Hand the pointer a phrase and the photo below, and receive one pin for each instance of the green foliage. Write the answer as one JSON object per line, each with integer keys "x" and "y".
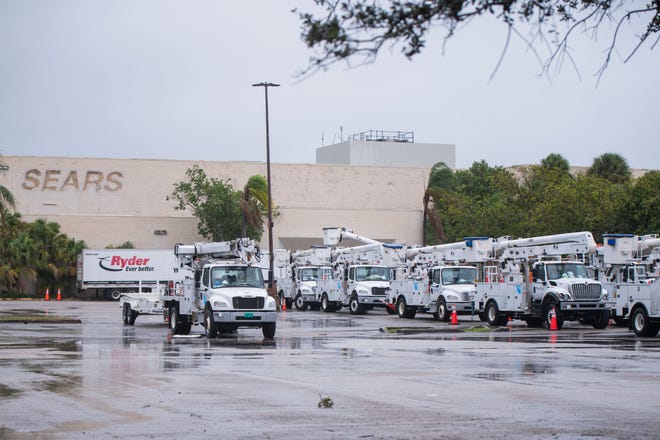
{"x": 36, "y": 251}
{"x": 221, "y": 210}
{"x": 539, "y": 200}
{"x": 612, "y": 167}
{"x": 7, "y": 201}
{"x": 125, "y": 245}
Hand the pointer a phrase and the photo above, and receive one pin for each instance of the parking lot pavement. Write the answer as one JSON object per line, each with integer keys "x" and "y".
{"x": 374, "y": 376}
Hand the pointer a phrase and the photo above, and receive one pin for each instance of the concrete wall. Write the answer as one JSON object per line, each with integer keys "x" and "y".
{"x": 109, "y": 201}
{"x": 389, "y": 154}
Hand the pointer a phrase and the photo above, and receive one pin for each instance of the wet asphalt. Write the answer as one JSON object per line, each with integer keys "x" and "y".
{"x": 333, "y": 376}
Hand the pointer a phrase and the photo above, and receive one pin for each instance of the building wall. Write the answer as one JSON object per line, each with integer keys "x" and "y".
{"x": 389, "y": 154}
{"x": 109, "y": 201}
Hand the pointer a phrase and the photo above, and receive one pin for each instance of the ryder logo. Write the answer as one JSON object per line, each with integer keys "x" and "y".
{"x": 115, "y": 263}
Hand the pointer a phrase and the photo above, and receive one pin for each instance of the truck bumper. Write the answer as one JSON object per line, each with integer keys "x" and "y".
{"x": 462, "y": 308}
{"x": 245, "y": 317}
{"x": 373, "y": 300}
{"x": 309, "y": 298}
{"x": 585, "y": 306}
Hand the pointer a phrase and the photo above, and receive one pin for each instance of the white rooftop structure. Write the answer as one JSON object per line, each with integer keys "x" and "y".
{"x": 386, "y": 149}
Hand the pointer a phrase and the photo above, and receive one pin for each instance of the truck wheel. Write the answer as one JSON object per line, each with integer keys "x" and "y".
{"x": 641, "y": 324}
{"x": 300, "y": 303}
{"x": 442, "y": 313}
{"x": 493, "y": 315}
{"x": 326, "y": 305}
{"x": 548, "y": 309}
{"x": 268, "y": 330}
{"x": 132, "y": 317}
{"x": 126, "y": 313}
{"x": 210, "y": 326}
{"x": 403, "y": 310}
{"x": 601, "y": 319}
{"x": 354, "y": 306}
{"x": 177, "y": 326}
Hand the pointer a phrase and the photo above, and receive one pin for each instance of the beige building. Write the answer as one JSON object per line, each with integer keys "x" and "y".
{"x": 110, "y": 201}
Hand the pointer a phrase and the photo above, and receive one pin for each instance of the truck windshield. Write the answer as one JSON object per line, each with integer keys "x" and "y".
{"x": 372, "y": 274}
{"x": 236, "y": 276}
{"x": 566, "y": 270}
{"x": 309, "y": 274}
{"x": 459, "y": 275}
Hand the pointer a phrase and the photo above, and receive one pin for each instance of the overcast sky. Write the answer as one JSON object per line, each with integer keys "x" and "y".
{"x": 171, "y": 79}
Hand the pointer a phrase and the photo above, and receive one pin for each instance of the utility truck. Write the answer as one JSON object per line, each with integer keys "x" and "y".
{"x": 222, "y": 290}
{"x": 439, "y": 279}
{"x": 533, "y": 282}
{"x": 304, "y": 270}
{"x": 629, "y": 268}
{"x": 361, "y": 274}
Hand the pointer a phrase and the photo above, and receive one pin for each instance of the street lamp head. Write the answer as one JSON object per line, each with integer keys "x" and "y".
{"x": 265, "y": 84}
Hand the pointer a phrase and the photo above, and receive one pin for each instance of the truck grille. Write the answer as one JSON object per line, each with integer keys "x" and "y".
{"x": 586, "y": 292}
{"x": 241, "y": 303}
{"x": 378, "y": 290}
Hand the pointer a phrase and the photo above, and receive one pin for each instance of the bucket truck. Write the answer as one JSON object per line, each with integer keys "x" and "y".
{"x": 439, "y": 279}
{"x": 630, "y": 271}
{"x": 532, "y": 282}
{"x": 222, "y": 289}
{"x": 361, "y": 274}
{"x": 297, "y": 285}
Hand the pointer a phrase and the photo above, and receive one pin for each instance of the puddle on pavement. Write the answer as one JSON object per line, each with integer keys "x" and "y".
{"x": 7, "y": 392}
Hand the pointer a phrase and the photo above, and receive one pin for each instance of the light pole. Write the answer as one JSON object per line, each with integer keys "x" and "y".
{"x": 265, "y": 85}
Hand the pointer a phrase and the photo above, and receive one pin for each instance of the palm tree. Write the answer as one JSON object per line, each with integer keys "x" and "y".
{"x": 254, "y": 204}
{"x": 7, "y": 201}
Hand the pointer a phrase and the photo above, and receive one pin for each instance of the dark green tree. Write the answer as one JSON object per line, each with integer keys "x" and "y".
{"x": 640, "y": 212}
{"x": 556, "y": 162}
{"x": 612, "y": 167}
{"x": 7, "y": 201}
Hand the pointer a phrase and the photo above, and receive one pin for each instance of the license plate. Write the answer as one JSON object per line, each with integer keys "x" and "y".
{"x": 248, "y": 315}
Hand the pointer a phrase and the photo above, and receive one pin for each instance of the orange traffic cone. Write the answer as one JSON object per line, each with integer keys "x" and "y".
{"x": 454, "y": 317}
{"x": 283, "y": 304}
{"x": 553, "y": 321}
{"x": 59, "y": 295}
{"x": 47, "y": 297}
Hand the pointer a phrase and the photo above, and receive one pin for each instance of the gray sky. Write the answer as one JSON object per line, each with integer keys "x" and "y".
{"x": 171, "y": 79}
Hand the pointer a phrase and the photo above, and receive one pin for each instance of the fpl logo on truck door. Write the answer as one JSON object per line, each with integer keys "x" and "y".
{"x": 116, "y": 263}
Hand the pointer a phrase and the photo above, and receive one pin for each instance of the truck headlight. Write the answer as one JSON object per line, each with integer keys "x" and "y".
{"x": 220, "y": 304}
{"x": 564, "y": 296}
{"x": 270, "y": 302}
{"x": 452, "y": 298}
{"x": 605, "y": 295}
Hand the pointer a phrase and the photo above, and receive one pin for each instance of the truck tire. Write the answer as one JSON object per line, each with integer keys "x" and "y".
{"x": 493, "y": 315}
{"x": 601, "y": 319}
{"x": 639, "y": 321}
{"x": 300, "y": 304}
{"x": 354, "y": 306}
{"x": 268, "y": 330}
{"x": 326, "y": 305}
{"x": 126, "y": 313}
{"x": 442, "y": 314}
{"x": 177, "y": 326}
{"x": 403, "y": 310}
{"x": 547, "y": 310}
{"x": 210, "y": 326}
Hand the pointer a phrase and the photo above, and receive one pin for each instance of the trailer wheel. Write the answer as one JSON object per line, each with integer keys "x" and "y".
{"x": 210, "y": 326}
{"x": 403, "y": 310}
{"x": 115, "y": 295}
{"x": 493, "y": 315}
{"x": 354, "y": 306}
{"x": 601, "y": 319}
{"x": 641, "y": 324}
{"x": 442, "y": 314}
{"x": 268, "y": 330}
{"x": 550, "y": 308}
{"x": 326, "y": 305}
{"x": 300, "y": 303}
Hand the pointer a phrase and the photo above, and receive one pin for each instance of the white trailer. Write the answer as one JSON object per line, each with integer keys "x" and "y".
{"x": 222, "y": 290}
{"x": 439, "y": 279}
{"x": 630, "y": 271}
{"x": 532, "y": 282}
{"x": 361, "y": 274}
